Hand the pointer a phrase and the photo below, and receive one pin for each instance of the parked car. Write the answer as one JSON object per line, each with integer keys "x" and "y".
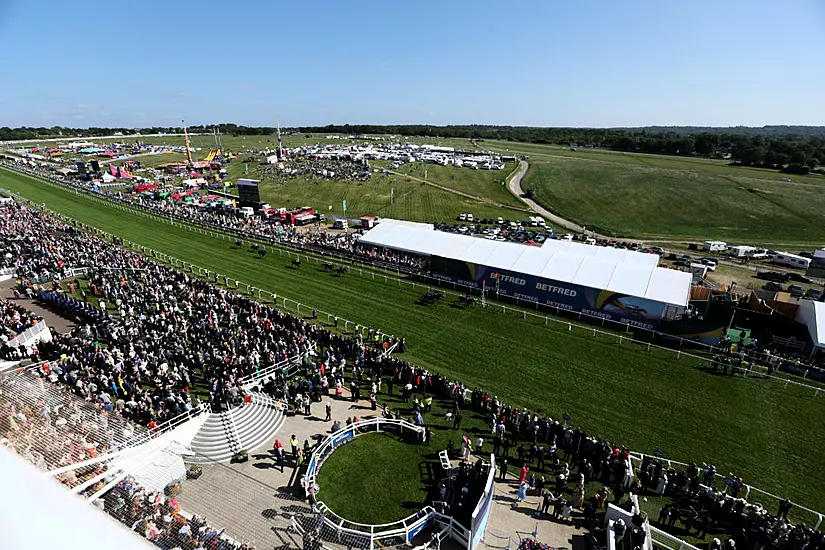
{"x": 773, "y": 286}
{"x": 796, "y": 290}
{"x": 775, "y": 276}
{"x": 814, "y": 294}
{"x": 798, "y": 278}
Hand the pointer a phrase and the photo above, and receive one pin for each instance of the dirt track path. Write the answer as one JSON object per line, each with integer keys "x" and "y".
{"x": 515, "y": 188}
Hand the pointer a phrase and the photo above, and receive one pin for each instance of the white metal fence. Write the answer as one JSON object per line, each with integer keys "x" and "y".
{"x": 34, "y": 333}
{"x": 816, "y": 516}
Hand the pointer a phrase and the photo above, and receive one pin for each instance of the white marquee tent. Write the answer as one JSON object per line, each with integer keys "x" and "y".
{"x": 812, "y": 315}
{"x": 623, "y": 271}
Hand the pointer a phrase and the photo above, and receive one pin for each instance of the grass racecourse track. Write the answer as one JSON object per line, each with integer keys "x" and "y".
{"x": 645, "y": 400}
{"x": 663, "y": 197}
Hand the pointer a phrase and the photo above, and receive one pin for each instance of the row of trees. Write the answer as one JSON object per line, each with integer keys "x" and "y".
{"x": 795, "y": 149}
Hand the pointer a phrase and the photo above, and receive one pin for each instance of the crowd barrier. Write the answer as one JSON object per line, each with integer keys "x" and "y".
{"x": 816, "y": 516}
{"x": 403, "y": 271}
{"x": 481, "y": 513}
{"x": 36, "y": 333}
{"x": 664, "y": 540}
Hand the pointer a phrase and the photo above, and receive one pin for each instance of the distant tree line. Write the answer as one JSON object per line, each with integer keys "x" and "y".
{"x": 793, "y": 149}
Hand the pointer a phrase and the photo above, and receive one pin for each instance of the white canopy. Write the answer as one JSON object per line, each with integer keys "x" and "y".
{"x": 623, "y": 271}
{"x": 812, "y": 315}
{"x": 39, "y": 513}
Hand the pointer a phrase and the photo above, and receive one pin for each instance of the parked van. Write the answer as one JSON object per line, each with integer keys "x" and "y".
{"x": 246, "y": 212}
{"x": 590, "y": 240}
{"x": 340, "y": 224}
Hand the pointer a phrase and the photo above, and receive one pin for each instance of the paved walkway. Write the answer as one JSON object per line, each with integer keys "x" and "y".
{"x": 515, "y": 188}
{"x": 55, "y": 322}
{"x": 255, "y": 499}
{"x": 507, "y": 525}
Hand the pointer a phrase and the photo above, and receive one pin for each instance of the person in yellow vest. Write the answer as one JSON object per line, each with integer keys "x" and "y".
{"x": 428, "y": 403}
{"x": 293, "y": 441}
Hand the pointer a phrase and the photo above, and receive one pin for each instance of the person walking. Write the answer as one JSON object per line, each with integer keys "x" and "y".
{"x": 329, "y": 413}
{"x": 457, "y": 420}
{"x": 523, "y": 474}
{"x": 293, "y": 441}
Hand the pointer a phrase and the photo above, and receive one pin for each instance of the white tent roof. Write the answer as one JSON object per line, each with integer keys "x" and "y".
{"x": 67, "y": 522}
{"x": 812, "y": 314}
{"x": 624, "y": 271}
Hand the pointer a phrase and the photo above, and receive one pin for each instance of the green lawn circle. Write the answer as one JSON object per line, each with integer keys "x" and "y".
{"x": 373, "y": 479}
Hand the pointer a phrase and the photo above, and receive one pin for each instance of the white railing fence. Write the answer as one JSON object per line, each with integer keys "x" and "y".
{"x": 346, "y": 434}
{"x": 35, "y": 332}
{"x": 817, "y": 517}
{"x": 660, "y": 539}
{"x": 291, "y": 364}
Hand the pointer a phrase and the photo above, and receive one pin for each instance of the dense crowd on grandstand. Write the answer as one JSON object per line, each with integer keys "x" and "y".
{"x": 158, "y": 518}
{"x": 14, "y": 320}
{"x": 150, "y": 337}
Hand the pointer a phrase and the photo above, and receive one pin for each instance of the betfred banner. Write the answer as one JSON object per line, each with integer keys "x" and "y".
{"x": 605, "y": 304}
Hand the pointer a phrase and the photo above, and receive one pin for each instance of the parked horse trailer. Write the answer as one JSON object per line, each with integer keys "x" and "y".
{"x": 790, "y": 260}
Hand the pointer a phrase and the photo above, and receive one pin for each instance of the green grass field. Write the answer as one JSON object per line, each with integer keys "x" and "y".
{"x": 659, "y": 197}
{"x": 355, "y": 479}
{"x": 645, "y": 400}
{"x": 623, "y": 194}
{"x": 488, "y": 184}
{"x": 413, "y": 200}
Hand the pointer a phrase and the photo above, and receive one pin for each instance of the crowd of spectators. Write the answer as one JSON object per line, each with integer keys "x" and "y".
{"x": 314, "y": 167}
{"x": 166, "y": 330}
{"x": 344, "y": 245}
{"x": 14, "y": 319}
{"x": 158, "y": 518}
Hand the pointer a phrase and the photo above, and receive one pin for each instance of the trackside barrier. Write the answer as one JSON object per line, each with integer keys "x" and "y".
{"x": 660, "y": 539}
{"x": 35, "y": 332}
{"x": 639, "y": 457}
{"x": 224, "y": 233}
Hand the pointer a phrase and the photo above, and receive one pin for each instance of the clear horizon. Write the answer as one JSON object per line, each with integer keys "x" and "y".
{"x": 637, "y": 64}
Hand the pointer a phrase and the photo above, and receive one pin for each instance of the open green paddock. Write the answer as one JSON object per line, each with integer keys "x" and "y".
{"x": 662, "y": 197}
{"x": 487, "y": 184}
{"x": 643, "y": 399}
{"x": 413, "y": 200}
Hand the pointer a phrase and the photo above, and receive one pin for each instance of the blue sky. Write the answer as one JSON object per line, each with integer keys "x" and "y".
{"x": 543, "y": 63}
